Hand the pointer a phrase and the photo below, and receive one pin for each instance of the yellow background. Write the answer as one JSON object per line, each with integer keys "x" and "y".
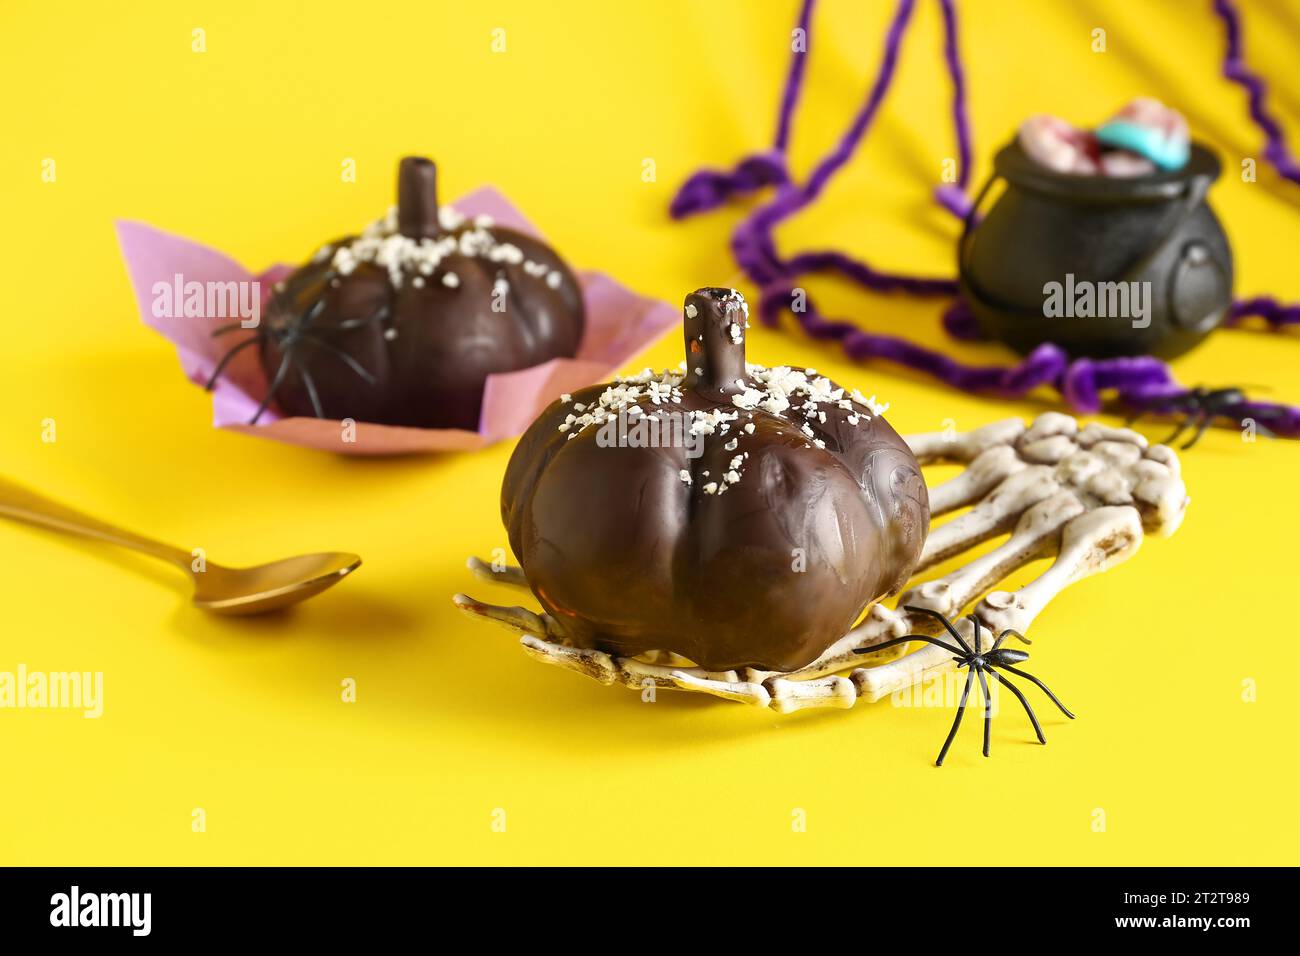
{"x": 241, "y": 146}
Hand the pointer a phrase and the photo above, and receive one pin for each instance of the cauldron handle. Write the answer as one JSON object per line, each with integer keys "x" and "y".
{"x": 1197, "y": 186}
{"x": 968, "y": 220}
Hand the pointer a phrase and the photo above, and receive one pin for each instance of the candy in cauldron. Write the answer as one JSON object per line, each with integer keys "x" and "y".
{"x": 1099, "y": 265}
{"x": 403, "y": 324}
{"x": 734, "y": 515}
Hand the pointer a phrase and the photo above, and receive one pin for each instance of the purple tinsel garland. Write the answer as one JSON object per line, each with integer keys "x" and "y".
{"x": 1235, "y": 69}
{"x": 1138, "y": 382}
{"x": 710, "y": 188}
{"x": 1275, "y": 151}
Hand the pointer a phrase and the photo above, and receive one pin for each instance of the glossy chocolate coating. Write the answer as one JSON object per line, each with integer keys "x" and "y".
{"x": 425, "y": 348}
{"x": 627, "y": 557}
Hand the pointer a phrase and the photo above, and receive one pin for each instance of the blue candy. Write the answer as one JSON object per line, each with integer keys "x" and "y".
{"x": 1146, "y": 141}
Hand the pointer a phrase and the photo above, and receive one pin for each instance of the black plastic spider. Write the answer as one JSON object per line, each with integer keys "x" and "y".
{"x": 289, "y": 335}
{"x": 1200, "y": 406}
{"x": 980, "y": 663}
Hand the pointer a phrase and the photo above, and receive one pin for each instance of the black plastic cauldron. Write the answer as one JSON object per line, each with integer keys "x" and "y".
{"x": 1079, "y": 231}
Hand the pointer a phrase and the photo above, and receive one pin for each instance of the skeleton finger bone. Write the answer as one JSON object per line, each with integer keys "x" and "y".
{"x": 992, "y": 516}
{"x": 498, "y": 573}
{"x": 1091, "y": 543}
{"x": 1037, "y": 533}
{"x": 963, "y": 447}
{"x": 873, "y": 683}
{"x": 516, "y": 618}
{"x": 989, "y": 469}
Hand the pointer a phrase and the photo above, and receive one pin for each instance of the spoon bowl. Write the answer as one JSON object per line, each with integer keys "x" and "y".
{"x": 269, "y": 587}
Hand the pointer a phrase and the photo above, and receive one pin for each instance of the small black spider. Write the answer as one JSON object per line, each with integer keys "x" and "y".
{"x": 980, "y": 663}
{"x": 1200, "y": 406}
{"x": 289, "y": 335}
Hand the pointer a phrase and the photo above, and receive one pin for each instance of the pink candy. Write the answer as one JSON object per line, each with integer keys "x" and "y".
{"x": 1120, "y": 164}
{"x": 1059, "y": 146}
{"x": 1147, "y": 111}
{"x": 1064, "y": 148}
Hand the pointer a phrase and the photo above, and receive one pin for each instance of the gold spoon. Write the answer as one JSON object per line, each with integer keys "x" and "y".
{"x": 219, "y": 589}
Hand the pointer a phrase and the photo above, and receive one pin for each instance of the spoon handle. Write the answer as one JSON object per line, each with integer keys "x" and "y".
{"x": 25, "y": 505}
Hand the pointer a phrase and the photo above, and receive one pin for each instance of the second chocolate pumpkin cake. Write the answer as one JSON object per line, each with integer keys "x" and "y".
{"x": 403, "y": 323}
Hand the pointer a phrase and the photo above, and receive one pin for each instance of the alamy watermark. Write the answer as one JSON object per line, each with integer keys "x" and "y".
{"x": 21, "y": 689}
{"x": 1098, "y": 300}
{"x": 665, "y": 428}
{"x": 181, "y": 299}
{"x": 944, "y": 689}
{"x": 133, "y": 911}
